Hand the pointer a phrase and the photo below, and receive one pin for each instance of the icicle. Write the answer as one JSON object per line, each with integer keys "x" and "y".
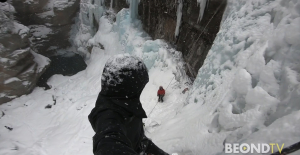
{"x": 202, "y": 4}
{"x": 111, "y": 4}
{"x": 179, "y": 16}
{"x": 134, "y": 6}
{"x": 91, "y": 15}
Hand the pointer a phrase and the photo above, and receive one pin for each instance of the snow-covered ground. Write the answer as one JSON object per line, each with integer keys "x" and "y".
{"x": 247, "y": 90}
{"x": 63, "y": 127}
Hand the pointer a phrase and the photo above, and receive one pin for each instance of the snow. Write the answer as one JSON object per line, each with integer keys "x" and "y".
{"x": 48, "y": 10}
{"x": 120, "y": 61}
{"x": 250, "y": 95}
{"x": 40, "y": 31}
{"x": 64, "y": 128}
{"x": 20, "y": 29}
{"x": 41, "y": 60}
{"x": 8, "y": 24}
{"x": 62, "y": 4}
{"x": 246, "y": 92}
{"x": 19, "y": 53}
{"x": 242, "y": 82}
{"x": 7, "y": 8}
{"x": 53, "y": 5}
{"x": 10, "y": 80}
{"x": 85, "y": 27}
{"x": 115, "y": 65}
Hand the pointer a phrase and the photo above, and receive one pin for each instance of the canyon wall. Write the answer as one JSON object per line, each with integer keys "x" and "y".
{"x": 31, "y": 30}
{"x": 195, "y": 36}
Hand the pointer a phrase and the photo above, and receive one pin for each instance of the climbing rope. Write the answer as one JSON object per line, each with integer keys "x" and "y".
{"x": 157, "y": 101}
{"x": 170, "y": 83}
{"x": 211, "y": 18}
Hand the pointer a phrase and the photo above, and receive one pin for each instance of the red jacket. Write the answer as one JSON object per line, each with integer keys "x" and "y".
{"x": 161, "y": 92}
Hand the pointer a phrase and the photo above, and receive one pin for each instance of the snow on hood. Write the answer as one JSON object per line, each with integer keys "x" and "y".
{"x": 124, "y": 76}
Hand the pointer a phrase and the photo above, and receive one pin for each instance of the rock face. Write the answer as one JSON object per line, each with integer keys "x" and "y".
{"x": 195, "y": 37}
{"x": 20, "y": 66}
{"x": 66, "y": 65}
{"x": 50, "y": 22}
{"x": 45, "y": 29}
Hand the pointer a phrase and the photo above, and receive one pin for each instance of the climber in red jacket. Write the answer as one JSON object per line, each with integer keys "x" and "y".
{"x": 161, "y": 94}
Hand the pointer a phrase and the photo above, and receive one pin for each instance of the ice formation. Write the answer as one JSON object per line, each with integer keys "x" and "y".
{"x": 179, "y": 16}
{"x": 202, "y": 4}
{"x": 247, "y": 90}
{"x": 87, "y": 24}
{"x": 134, "y": 6}
{"x": 250, "y": 77}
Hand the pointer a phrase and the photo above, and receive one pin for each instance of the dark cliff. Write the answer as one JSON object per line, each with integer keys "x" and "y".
{"x": 27, "y": 28}
{"x": 195, "y": 37}
{"x": 49, "y": 21}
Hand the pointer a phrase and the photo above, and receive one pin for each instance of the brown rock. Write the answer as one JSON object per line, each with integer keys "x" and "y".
{"x": 58, "y": 16}
{"x": 19, "y": 71}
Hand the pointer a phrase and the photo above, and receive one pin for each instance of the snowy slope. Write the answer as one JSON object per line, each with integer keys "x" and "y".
{"x": 55, "y": 121}
{"x": 248, "y": 88}
{"x": 247, "y": 91}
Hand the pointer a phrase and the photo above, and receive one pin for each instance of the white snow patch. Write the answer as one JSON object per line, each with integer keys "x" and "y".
{"x": 40, "y": 31}
{"x": 41, "y": 60}
{"x": 10, "y": 80}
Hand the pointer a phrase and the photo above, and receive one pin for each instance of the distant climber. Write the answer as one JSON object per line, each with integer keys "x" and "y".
{"x": 118, "y": 113}
{"x": 161, "y": 94}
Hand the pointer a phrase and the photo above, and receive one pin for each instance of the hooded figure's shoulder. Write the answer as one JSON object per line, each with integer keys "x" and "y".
{"x": 107, "y": 104}
{"x": 124, "y": 107}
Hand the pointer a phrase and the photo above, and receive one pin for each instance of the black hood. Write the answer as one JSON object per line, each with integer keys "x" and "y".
{"x": 124, "y": 76}
{"x": 123, "y": 80}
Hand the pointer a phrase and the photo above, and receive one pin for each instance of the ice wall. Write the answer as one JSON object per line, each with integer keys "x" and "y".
{"x": 136, "y": 42}
{"x": 87, "y": 24}
{"x": 134, "y": 6}
{"x": 249, "y": 83}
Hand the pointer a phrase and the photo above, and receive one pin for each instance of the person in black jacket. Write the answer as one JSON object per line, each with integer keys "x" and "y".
{"x": 117, "y": 116}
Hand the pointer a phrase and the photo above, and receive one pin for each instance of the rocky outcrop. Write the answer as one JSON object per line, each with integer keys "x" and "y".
{"x": 49, "y": 21}
{"x": 20, "y": 66}
{"x": 195, "y": 37}
{"x": 45, "y": 29}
